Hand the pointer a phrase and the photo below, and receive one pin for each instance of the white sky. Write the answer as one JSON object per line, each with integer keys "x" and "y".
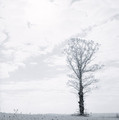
{"x": 33, "y": 72}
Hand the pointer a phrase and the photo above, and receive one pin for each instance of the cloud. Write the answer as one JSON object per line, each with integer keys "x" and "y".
{"x": 6, "y": 68}
{"x": 56, "y": 60}
{"x": 19, "y": 43}
{"x": 51, "y": 0}
{"x": 112, "y": 63}
{"x": 36, "y": 27}
{"x": 46, "y": 85}
{"x": 31, "y": 34}
{"x": 73, "y": 1}
{"x": 33, "y": 63}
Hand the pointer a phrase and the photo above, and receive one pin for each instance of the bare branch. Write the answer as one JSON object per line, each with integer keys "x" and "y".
{"x": 93, "y": 68}
{"x": 70, "y": 63}
{"x": 90, "y": 82}
{"x": 73, "y": 76}
{"x": 73, "y": 84}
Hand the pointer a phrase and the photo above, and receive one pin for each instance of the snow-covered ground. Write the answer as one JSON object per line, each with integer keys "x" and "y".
{"x": 4, "y": 116}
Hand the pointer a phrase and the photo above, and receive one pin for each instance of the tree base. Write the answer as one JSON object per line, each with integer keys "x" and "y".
{"x": 82, "y": 115}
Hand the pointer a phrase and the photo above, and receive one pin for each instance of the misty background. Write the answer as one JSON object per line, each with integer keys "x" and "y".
{"x": 33, "y": 70}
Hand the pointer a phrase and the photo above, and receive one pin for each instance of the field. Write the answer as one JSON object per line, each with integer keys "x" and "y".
{"x": 6, "y": 116}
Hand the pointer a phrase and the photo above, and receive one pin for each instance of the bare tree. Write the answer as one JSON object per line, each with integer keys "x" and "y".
{"x": 80, "y": 58}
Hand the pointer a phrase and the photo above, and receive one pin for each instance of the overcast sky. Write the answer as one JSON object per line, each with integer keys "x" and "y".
{"x": 33, "y": 71}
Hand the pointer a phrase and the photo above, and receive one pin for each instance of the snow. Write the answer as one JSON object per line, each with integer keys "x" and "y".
{"x": 5, "y": 116}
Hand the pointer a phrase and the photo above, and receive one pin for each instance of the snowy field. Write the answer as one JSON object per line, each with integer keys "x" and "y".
{"x": 4, "y": 116}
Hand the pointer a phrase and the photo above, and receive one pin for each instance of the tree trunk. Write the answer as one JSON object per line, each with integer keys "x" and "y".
{"x": 81, "y": 103}
{"x": 81, "y": 95}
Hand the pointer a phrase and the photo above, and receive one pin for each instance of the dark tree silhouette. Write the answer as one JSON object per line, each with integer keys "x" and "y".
{"x": 80, "y": 58}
